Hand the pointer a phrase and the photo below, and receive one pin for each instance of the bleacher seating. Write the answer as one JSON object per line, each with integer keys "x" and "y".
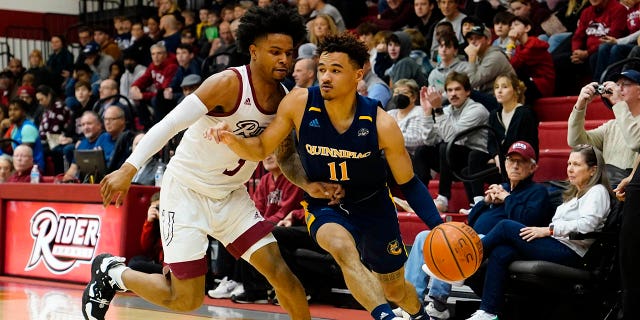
{"x": 553, "y": 134}
{"x": 458, "y": 199}
{"x": 559, "y": 108}
{"x": 411, "y": 224}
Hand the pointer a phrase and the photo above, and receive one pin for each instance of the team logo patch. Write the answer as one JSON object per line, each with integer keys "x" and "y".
{"x": 394, "y": 248}
{"x": 62, "y": 241}
{"x": 247, "y": 102}
{"x": 314, "y": 123}
{"x": 363, "y": 132}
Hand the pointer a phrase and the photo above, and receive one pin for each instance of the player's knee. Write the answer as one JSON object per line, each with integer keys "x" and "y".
{"x": 186, "y": 302}
{"x": 395, "y": 291}
{"x": 342, "y": 251}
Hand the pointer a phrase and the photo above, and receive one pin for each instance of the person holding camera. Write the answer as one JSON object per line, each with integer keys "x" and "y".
{"x": 619, "y": 138}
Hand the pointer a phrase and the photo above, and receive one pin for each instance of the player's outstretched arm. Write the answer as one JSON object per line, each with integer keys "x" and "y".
{"x": 391, "y": 141}
{"x": 257, "y": 148}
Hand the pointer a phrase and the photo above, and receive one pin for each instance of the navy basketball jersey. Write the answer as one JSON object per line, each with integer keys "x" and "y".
{"x": 352, "y": 158}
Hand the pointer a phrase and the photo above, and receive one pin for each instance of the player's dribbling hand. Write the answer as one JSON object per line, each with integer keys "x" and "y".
{"x": 115, "y": 185}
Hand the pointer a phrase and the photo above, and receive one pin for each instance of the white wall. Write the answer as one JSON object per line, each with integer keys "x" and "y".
{"x": 52, "y": 6}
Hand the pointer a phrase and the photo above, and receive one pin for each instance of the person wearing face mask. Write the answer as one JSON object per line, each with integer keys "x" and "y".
{"x": 417, "y": 129}
{"x": 132, "y": 71}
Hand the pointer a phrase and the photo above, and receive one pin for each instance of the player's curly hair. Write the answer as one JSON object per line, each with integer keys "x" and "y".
{"x": 258, "y": 22}
{"x": 346, "y": 43}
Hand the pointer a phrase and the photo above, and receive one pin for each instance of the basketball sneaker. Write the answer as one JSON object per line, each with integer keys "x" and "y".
{"x": 251, "y": 297}
{"x": 224, "y": 289}
{"x": 430, "y": 274}
{"x": 434, "y": 313}
{"x": 102, "y": 288}
{"x": 482, "y": 315}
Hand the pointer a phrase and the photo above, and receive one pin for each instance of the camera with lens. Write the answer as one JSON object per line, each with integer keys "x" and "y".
{"x": 601, "y": 89}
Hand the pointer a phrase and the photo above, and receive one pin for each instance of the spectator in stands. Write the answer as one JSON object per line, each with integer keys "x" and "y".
{"x": 452, "y": 14}
{"x": 374, "y": 87}
{"x": 366, "y": 33}
{"x": 239, "y": 9}
{"x": 6, "y": 167}
{"x": 202, "y": 15}
{"x": 404, "y": 67}
{"x": 567, "y": 13}
{"x": 189, "y": 22}
{"x": 146, "y": 175}
{"x": 428, "y": 14}
{"x": 133, "y": 70}
{"x": 531, "y": 60}
{"x": 122, "y": 24}
{"x": 170, "y": 27}
{"x": 418, "y": 50}
{"x": 91, "y": 128}
{"x": 17, "y": 127}
{"x": 188, "y": 37}
{"x": 536, "y": 12}
{"x": 602, "y": 18}
{"x": 166, "y": 7}
{"x": 304, "y": 72}
{"x": 116, "y": 71}
{"x": 38, "y": 68}
{"x": 618, "y": 138}
{"x": 99, "y": 62}
{"x": 188, "y": 64}
{"x": 56, "y": 122}
{"x": 519, "y": 199}
{"x": 107, "y": 46}
{"x": 7, "y": 87}
{"x": 15, "y": 66}
{"x": 380, "y": 60}
{"x": 615, "y": 49}
{"x": 449, "y": 61}
{"x": 462, "y": 113}
{"x": 140, "y": 44}
{"x": 114, "y": 125}
{"x": 27, "y": 94}
{"x": 486, "y": 61}
{"x": 22, "y": 163}
{"x": 321, "y": 26}
{"x": 149, "y": 88}
{"x": 153, "y": 28}
{"x": 85, "y": 35}
{"x": 304, "y": 10}
{"x": 398, "y": 14}
{"x": 227, "y": 13}
{"x": 322, "y": 7}
{"x": 150, "y": 241}
{"x": 416, "y": 126}
{"x": 225, "y": 42}
{"x": 60, "y": 61}
{"x": 585, "y": 208}
{"x": 501, "y": 26}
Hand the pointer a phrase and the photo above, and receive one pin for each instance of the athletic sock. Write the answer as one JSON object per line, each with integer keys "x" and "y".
{"x": 116, "y": 274}
{"x": 383, "y": 312}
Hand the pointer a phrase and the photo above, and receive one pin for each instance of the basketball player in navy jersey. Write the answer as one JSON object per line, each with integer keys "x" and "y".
{"x": 341, "y": 138}
{"x": 203, "y": 188}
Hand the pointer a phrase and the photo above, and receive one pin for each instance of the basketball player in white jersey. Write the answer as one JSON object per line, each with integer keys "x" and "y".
{"x": 203, "y": 190}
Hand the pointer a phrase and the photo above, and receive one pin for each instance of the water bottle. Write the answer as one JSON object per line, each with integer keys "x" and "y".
{"x": 159, "y": 174}
{"x": 35, "y": 174}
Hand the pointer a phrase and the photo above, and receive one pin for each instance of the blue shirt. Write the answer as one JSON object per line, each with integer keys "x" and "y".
{"x": 107, "y": 143}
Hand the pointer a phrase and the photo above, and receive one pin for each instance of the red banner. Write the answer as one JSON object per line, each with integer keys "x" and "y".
{"x": 55, "y": 240}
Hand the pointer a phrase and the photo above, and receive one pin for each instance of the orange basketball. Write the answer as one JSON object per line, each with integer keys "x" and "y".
{"x": 452, "y": 251}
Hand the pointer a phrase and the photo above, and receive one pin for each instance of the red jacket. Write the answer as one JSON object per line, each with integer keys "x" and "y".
{"x": 275, "y": 199}
{"x": 534, "y": 60}
{"x": 150, "y": 241}
{"x": 158, "y": 76}
{"x": 595, "y": 22}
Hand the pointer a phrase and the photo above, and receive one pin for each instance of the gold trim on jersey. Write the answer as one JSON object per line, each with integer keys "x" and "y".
{"x": 315, "y": 109}
{"x": 365, "y": 118}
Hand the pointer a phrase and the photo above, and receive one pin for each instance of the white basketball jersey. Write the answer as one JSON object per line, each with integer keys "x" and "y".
{"x": 213, "y": 169}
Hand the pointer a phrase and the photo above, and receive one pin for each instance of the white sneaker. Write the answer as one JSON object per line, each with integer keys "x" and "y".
{"x": 401, "y": 314}
{"x": 442, "y": 203}
{"x": 238, "y": 290}
{"x": 426, "y": 270}
{"x": 482, "y": 315}
{"x": 223, "y": 290}
{"x": 464, "y": 211}
{"x": 435, "y": 313}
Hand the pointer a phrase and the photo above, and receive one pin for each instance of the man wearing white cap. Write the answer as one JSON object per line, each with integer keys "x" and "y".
{"x": 619, "y": 139}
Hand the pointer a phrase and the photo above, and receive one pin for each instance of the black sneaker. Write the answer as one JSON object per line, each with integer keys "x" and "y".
{"x": 101, "y": 289}
{"x": 250, "y": 297}
{"x": 274, "y": 299}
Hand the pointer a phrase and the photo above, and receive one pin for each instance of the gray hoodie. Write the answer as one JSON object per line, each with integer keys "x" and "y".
{"x": 405, "y": 67}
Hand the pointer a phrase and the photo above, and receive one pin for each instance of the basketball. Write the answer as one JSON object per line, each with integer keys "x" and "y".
{"x": 452, "y": 251}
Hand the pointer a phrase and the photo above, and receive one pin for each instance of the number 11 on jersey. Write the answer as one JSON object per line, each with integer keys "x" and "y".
{"x": 344, "y": 176}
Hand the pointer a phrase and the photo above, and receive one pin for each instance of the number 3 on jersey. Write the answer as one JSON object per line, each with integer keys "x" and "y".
{"x": 344, "y": 176}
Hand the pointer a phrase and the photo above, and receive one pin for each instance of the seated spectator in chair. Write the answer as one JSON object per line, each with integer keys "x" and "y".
{"x": 54, "y": 126}
{"x": 17, "y": 127}
{"x": 28, "y": 94}
{"x": 99, "y": 62}
{"x": 149, "y": 88}
{"x": 449, "y": 61}
{"x": 519, "y": 199}
{"x": 133, "y": 70}
{"x": 304, "y": 73}
{"x": 416, "y": 126}
{"x": 460, "y": 114}
{"x": 486, "y": 61}
{"x": 146, "y": 175}
{"x": 403, "y": 67}
{"x": 428, "y": 15}
{"x": 91, "y": 130}
{"x": 108, "y": 46}
{"x": 114, "y": 136}
{"x": 188, "y": 64}
{"x": 22, "y": 163}
{"x": 501, "y": 23}
{"x": 618, "y": 139}
{"x": 372, "y": 86}
{"x": 585, "y": 209}
{"x": 150, "y": 241}
{"x": 6, "y": 167}
{"x": 531, "y": 60}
